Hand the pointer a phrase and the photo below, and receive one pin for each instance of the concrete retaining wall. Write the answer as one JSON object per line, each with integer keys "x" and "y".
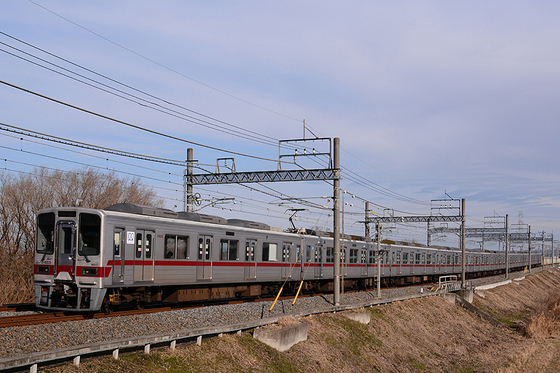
{"x": 282, "y": 339}
{"x": 361, "y": 317}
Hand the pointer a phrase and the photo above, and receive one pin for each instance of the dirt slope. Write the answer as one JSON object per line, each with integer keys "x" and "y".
{"x": 423, "y": 335}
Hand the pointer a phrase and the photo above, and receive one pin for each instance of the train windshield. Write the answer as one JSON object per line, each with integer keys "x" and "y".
{"x": 45, "y": 233}
{"x": 89, "y": 235}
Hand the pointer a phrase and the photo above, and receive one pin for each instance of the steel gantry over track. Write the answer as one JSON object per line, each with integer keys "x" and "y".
{"x": 503, "y": 234}
{"x": 442, "y": 210}
{"x": 330, "y": 173}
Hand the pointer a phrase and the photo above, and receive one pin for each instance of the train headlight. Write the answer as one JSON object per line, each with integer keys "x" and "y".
{"x": 89, "y": 271}
{"x": 44, "y": 296}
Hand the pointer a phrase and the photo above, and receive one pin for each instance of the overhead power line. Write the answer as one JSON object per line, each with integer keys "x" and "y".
{"x": 134, "y": 125}
{"x": 164, "y": 66}
{"x": 206, "y": 120}
{"x": 352, "y": 175}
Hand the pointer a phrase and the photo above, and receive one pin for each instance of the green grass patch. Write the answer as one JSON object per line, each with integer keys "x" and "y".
{"x": 417, "y": 365}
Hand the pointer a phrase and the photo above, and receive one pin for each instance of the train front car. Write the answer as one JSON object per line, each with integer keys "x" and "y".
{"x": 68, "y": 259}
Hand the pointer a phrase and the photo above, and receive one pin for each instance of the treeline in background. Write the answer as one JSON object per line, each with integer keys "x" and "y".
{"x": 23, "y": 195}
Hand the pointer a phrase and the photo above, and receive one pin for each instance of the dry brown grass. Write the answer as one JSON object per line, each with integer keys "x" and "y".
{"x": 544, "y": 322}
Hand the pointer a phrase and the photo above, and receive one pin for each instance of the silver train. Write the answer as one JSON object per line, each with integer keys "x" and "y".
{"x": 90, "y": 260}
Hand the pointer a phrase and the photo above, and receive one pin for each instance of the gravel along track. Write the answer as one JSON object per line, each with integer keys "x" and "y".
{"x": 15, "y": 341}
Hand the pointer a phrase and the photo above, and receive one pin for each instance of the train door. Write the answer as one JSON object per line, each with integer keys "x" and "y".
{"x": 143, "y": 258}
{"x": 286, "y": 260}
{"x": 318, "y": 259}
{"x": 300, "y": 261}
{"x": 250, "y": 263}
{"x": 65, "y": 261}
{"x": 118, "y": 255}
{"x": 204, "y": 262}
{"x": 344, "y": 260}
{"x": 363, "y": 261}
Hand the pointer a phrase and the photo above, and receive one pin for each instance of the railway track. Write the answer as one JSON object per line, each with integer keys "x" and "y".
{"x": 17, "y": 307}
{"x": 53, "y": 317}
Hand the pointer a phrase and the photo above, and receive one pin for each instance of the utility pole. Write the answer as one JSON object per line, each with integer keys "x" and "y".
{"x": 543, "y": 262}
{"x": 552, "y": 239}
{"x": 336, "y": 221}
{"x": 189, "y": 180}
{"x": 507, "y": 246}
{"x": 366, "y": 233}
{"x": 429, "y": 235}
{"x": 529, "y": 248}
{"x": 379, "y": 260}
{"x": 463, "y": 255}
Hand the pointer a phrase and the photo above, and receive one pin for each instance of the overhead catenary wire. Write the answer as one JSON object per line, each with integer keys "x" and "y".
{"x": 164, "y": 66}
{"x": 115, "y": 152}
{"x": 130, "y": 87}
{"x": 138, "y": 127}
{"x": 377, "y": 188}
{"x": 355, "y": 176}
{"x": 145, "y": 103}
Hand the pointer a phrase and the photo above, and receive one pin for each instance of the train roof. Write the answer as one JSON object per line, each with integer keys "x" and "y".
{"x": 184, "y": 215}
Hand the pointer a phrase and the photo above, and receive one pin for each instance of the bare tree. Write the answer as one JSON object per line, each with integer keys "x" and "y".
{"x": 22, "y": 196}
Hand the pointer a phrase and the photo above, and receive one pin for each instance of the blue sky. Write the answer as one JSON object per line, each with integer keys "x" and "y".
{"x": 427, "y": 97}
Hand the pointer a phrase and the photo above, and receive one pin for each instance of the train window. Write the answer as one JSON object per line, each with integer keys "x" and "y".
{"x": 138, "y": 245}
{"x": 228, "y": 250}
{"x": 182, "y": 247}
{"x": 354, "y": 255}
{"x": 405, "y": 258}
{"x": 250, "y": 251}
{"x": 269, "y": 252}
{"x": 170, "y": 246}
{"x": 309, "y": 254}
{"x": 398, "y": 258}
{"x": 372, "y": 258}
{"x": 45, "y": 233}
{"x": 456, "y": 259}
{"x": 423, "y": 258}
{"x": 89, "y": 234}
{"x": 148, "y": 245}
{"x": 364, "y": 259}
{"x": 417, "y": 259}
{"x": 176, "y": 247}
{"x": 224, "y": 244}
{"x": 65, "y": 243}
{"x": 204, "y": 247}
{"x": 286, "y": 249}
{"x": 330, "y": 256}
{"x": 117, "y": 243}
{"x": 429, "y": 259}
{"x": 298, "y": 254}
{"x": 318, "y": 255}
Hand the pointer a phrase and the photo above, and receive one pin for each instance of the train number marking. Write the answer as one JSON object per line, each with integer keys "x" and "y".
{"x": 129, "y": 238}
